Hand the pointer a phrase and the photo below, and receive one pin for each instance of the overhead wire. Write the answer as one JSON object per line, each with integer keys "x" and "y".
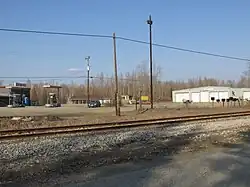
{"x": 124, "y": 39}
{"x": 60, "y": 78}
{"x": 55, "y": 33}
{"x": 185, "y": 50}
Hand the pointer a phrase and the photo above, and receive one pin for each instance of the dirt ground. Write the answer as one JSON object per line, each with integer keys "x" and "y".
{"x": 82, "y": 110}
{"x": 62, "y": 111}
{"x": 42, "y": 117}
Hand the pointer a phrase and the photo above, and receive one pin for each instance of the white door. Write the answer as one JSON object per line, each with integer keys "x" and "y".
{"x": 180, "y": 96}
{"x": 223, "y": 95}
{"x": 213, "y": 94}
{"x": 195, "y": 97}
{"x": 246, "y": 95}
{"x": 204, "y": 96}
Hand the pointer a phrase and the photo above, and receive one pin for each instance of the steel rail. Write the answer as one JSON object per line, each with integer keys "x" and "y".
{"x": 118, "y": 122}
{"x": 46, "y": 131}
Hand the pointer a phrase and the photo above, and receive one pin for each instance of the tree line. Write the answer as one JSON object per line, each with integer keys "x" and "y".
{"x": 131, "y": 83}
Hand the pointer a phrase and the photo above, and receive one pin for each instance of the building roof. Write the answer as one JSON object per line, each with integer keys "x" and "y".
{"x": 211, "y": 88}
{"x": 16, "y": 87}
{"x": 51, "y": 86}
{"x": 91, "y": 98}
{"x": 4, "y": 91}
{"x": 205, "y": 88}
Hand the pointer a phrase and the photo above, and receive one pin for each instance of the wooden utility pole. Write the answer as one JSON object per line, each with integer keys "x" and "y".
{"x": 117, "y": 96}
{"x": 150, "y": 22}
{"x": 88, "y": 69}
{"x": 140, "y": 101}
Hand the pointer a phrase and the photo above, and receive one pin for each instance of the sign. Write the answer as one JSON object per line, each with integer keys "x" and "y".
{"x": 19, "y": 84}
{"x": 144, "y": 98}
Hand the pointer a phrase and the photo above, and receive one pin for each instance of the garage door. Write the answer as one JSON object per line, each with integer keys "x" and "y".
{"x": 204, "y": 96}
{"x": 223, "y": 95}
{"x": 213, "y": 94}
{"x": 246, "y": 95}
{"x": 180, "y": 96}
{"x": 195, "y": 97}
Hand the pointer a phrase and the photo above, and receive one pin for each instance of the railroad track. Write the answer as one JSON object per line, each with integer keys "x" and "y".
{"x": 46, "y": 131}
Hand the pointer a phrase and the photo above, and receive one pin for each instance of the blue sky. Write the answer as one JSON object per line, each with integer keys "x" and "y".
{"x": 213, "y": 26}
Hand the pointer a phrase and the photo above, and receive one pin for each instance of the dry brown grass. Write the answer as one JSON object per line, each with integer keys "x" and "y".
{"x": 91, "y": 118}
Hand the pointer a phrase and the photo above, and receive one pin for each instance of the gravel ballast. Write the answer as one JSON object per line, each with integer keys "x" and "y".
{"x": 45, "y": 158}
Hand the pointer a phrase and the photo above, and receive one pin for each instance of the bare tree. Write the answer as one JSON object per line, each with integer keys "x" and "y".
{"x": 246, "y": 76}
{"x": 33, "y": 93}
{"x": 131, "y": 83}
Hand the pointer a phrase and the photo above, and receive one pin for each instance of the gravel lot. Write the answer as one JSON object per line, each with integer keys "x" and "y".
{"x": 214, "y": 168}
{"x": 69, "y": 110}
{"x": 57, "y": 160}
{"x": 64, "y": 110}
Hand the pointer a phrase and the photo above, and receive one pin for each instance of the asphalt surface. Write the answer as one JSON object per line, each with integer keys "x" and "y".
{"x": 216, "y": 167}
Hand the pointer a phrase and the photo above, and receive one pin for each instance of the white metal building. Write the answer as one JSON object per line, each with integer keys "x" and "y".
{"x": 245, "y": 93}
{"x": 204, "y": 94}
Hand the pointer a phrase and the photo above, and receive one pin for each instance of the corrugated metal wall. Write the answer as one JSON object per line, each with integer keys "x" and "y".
{"x": 208, "y": 92}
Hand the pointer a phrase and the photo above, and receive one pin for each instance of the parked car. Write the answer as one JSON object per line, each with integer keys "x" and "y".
{"x": 131, "y": 102}
{"x": 94, "y": 104}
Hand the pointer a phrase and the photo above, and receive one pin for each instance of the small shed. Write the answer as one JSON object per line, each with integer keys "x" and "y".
{"x": 83, "y": 100}
{"x": 48, "y": 86}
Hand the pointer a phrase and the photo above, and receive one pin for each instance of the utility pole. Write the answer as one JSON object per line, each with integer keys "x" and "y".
{"x": 117, "y": 96}
{"x": 150, "y": 22}
{"x": 88, "y": 69}
{"x": 140, "y": 101}
{"x": 248, "y": 75}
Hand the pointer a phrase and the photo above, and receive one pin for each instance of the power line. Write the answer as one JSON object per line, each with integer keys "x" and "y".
{"x": 55, "y": 33}
{"x": 185, "y": 50}
{"x": 125, "y": 39}
{"x": 42, "y": 77}
{"x": 62, "y": 77}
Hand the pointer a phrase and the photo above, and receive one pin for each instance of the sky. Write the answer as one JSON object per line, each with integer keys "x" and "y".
{"x": 213, "y": 26}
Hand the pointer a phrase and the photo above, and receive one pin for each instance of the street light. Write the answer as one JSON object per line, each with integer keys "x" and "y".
{"x": 88, "y": 69}
{"x": 150, "y": 22}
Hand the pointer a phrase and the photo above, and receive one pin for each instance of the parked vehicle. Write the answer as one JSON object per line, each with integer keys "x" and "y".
{"x": 131, "y": 102}
{"x": 94, "y": 104}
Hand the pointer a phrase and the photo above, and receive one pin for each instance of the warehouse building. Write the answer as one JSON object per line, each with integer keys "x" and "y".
{"x": 204, "y": 94}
